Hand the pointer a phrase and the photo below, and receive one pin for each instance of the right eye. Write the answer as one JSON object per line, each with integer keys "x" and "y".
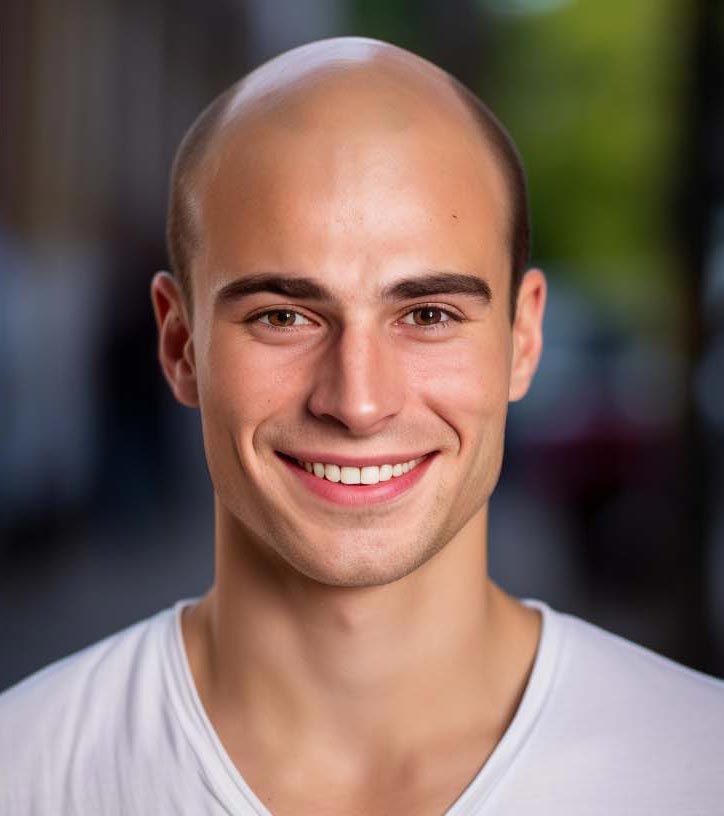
{"x": 286, "y": 318}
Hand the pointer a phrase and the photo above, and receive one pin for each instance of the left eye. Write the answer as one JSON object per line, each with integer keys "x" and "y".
{"x": 288, "y": 317}
{"x": 428, "y": 314}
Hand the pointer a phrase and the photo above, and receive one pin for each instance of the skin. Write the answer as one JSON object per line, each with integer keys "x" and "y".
{"x": 353, "y": 660}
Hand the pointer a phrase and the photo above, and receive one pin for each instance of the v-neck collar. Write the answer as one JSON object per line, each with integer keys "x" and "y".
{"x": 229, "y": 787}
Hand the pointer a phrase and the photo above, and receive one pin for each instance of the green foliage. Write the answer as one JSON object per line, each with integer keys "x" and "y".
{"x": 591, "y": 94}
{"x": 395, "y": 21}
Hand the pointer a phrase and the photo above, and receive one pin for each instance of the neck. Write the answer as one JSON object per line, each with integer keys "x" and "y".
{"x": 358, "y": 674}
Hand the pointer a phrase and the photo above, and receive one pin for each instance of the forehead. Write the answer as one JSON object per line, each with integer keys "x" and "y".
{"x": 350, "y": 181}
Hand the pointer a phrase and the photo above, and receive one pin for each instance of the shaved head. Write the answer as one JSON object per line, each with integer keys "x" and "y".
{"x": 344, "y": 222}
{"x": 386, "y": 87}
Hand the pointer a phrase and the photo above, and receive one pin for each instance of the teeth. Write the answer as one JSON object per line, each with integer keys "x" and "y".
{"x": 351, "y": 475}
{"x": 333, "y": 473}
{"x": 368, "y": 475}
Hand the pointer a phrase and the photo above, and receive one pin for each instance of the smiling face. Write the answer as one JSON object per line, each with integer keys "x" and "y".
{"x": 361, "y": 186}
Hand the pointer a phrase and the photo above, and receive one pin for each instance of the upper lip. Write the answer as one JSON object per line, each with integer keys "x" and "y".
{"x": 328, "y": 458}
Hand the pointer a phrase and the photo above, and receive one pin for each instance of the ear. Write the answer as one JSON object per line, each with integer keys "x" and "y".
{"x": 527, "y": 332}
{"x": 175, "y": 342}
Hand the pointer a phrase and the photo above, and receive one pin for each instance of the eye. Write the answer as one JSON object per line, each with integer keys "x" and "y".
{"x": 281, "y": 319}
{"x": 429, "y": 317}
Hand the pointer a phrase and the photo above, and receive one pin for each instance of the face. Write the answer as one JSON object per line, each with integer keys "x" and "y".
{"x": 342, "y": 375}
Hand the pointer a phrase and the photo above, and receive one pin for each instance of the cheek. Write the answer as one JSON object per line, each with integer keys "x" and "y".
{"x": 466, "y": 386}
{"x": 465, "y": 381}
{"x": 244, "y": 381}
{"x": 241, "y": 384}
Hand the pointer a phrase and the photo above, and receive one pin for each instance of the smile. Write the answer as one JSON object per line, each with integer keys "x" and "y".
{"x": 369, "y": 474}
{"x": 348, "y": 484}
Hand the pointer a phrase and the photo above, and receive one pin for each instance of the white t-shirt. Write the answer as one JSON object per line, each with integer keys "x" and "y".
{"x": 604, "y": 728}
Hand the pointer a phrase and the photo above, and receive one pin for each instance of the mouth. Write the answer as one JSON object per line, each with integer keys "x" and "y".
{"x": 356, "y": 486}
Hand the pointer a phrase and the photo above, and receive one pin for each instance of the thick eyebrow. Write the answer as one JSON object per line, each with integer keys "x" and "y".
{"x": 438, "y": 283}
{"x": 435, "y": 283}
{"x": 291, "y": 287}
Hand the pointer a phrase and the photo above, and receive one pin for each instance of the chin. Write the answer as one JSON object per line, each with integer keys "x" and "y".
{"x": 359, "y": 563}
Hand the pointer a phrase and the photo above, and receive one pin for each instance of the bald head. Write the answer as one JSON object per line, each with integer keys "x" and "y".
{"x": 345, "y": 84}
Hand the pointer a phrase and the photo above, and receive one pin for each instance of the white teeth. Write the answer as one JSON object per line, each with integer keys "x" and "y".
{"x": 333, "y": 473}
{"x": 386, "y": 472}
{"x": 368, "y": 475}
{"x": 351, "y": 475}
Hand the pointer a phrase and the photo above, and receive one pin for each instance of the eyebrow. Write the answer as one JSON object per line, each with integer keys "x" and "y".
{"x": 434, "y": 283}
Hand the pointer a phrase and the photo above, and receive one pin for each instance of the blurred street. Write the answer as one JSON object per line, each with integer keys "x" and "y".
{"x": 611, "y": 504}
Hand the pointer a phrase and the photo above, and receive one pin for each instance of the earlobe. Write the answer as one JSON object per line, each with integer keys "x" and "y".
{"x": 527, "y": 333}
{"x": 175, "y": 343}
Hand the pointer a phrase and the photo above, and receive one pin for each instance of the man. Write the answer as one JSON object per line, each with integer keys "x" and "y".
{"x": 351, "y": 311}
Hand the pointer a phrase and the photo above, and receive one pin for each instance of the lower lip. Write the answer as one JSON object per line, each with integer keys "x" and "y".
{"x": 360, "y": 495}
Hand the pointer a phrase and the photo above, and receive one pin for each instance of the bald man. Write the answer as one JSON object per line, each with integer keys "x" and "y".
{"x": 351, "y": 310}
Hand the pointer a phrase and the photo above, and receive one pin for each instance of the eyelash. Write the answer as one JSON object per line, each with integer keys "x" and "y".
{"x": 435, "y": 327}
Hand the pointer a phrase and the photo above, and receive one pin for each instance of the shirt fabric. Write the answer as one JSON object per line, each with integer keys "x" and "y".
{"x": 604, "y": 727}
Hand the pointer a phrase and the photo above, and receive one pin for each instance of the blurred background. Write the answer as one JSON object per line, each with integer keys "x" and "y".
{"x": 611, "y": 503}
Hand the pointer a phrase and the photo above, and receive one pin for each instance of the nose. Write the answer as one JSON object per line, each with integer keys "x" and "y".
{"x": 359, "y": 383}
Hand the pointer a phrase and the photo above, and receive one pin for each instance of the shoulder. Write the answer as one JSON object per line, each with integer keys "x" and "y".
{"x": 96, "y": 671}
{"x": 616, "y": 728}
{"x": 63, "y": 720}
{"x": 620, "y": 711}
{"x": 615, "y": 673}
